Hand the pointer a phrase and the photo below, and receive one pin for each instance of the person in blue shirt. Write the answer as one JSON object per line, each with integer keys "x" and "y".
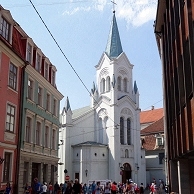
{"x": 85, "y": 189}
{"x": 8, "y": 188}
{"x": 93, "y": 187}
{"x": 37, "y": 186}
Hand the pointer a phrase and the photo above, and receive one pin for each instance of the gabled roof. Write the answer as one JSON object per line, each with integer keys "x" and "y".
{"x": 113, "y": 47}
{"x": 80, "y": 111}
{"x": 89, "y": 143}
{"x": 151, "y": 116}
{"x": 156, "y": 127}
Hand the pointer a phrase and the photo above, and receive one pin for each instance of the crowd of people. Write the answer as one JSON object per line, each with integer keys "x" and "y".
{"x": 75, "y": 187}
{"x": 70, "y": 187}
{"x": 155, "y": 188}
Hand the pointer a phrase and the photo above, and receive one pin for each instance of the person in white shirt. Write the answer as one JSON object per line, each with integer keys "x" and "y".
{"x": 44, "y": 188}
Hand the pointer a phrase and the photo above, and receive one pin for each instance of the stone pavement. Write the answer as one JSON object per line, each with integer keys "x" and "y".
{"x": 148, "y": 192}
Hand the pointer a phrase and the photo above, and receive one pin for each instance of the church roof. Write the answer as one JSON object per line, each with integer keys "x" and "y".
{"x": 67, "y": 104}
{"x": 151, "y": 116}
{"x": 135, "y": 87}
{"x": 90, "y": 143}
{"x": 113, "y": 47}
{"x": 80, "y": 111}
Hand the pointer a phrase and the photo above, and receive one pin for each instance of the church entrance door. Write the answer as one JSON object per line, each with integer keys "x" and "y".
{"x": 126, "y": 172}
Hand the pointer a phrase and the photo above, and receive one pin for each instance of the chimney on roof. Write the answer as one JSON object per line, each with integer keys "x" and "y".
{"x": 152, "y": 107}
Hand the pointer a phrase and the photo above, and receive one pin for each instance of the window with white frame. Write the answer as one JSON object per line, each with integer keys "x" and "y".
{"x": 5, "y": 29}
{"x": 53, "y": 139}
{"x": 119, "y": 83}
{"x": 38, "y": 133}
{"x": 38, "y": 63}
{"x": 40, "y": 96}
{"x": 10, "y": 118}
{"x": 12, "y": 76}
{"x": 48, "y": 102}
{"x": 30, "y": 89}
{"x": 126, "y": 153}
{"x": 28, "y": 129}
{"x": 160, "y": 141}
{"x": 46, "y": 138}
{"x": 125, "y": 84}
{"x": 53, "y": 77}
{"x": 29, "y": 53}
{"x": 102, "y": 85}
{"x": 128, "y": 131}
{"x": 55, "y": 107}
{"x": 46, "y": 71}
{"x": 122, "y": 130}
{"x": 108, "y": 84}
{"x": 7, "y": 166}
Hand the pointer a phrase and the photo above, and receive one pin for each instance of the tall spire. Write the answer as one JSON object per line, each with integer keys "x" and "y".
{"x": 113, "y": 47}
{"x": 67, "y": 104}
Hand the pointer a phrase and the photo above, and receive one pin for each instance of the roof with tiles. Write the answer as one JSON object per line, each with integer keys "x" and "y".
{"x": 148, "y": 134}
{"x": 149, "y": 142}
{"x": 155, "y": 127}
{"x": 151, "y": 116}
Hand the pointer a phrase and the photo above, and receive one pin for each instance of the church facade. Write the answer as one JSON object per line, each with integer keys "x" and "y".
{"x": 102, "y": 141}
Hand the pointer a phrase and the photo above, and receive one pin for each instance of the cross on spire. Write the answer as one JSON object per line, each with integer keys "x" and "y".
{"x": 113, "y": 3}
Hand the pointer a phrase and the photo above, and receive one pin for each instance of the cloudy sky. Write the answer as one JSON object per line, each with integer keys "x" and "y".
{"x": 81, "y": 28}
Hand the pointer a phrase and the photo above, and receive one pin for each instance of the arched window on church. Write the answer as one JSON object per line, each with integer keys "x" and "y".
{"x": 125, "y": 84}
{"x": 100, "y": 130}
{"x": 126, "y": 153}
{"x": 121, "y": 130}
{"x": 108, "y": 84}
{"x": 105, "y": 130}
{"x": 119, "y": 83}
{"x": 102, "y": 85}
{"x": 128, "y": 131}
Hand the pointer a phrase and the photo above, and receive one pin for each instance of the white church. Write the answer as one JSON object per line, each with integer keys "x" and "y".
{"x": 102, "y": 141}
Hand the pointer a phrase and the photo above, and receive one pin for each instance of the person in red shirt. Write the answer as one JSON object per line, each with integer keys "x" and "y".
{"x": 50, "y": 188}
{"x": 114, "y": 188}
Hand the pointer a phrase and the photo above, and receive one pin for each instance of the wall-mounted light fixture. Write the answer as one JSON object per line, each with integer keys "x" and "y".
{"x": 121, "y": 166}
{"x": 61, "y": 142}
{"x": 1, "y": 160}
{"x": 137, "y": 166}
{"x": 86, "y": 171}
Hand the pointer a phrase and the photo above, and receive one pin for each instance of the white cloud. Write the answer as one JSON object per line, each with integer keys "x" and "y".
{"x": 77, "y": 9}
{"x": 135, "y": 12}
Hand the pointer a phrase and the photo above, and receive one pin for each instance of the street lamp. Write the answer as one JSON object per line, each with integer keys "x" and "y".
{"x": 86, "y": 171}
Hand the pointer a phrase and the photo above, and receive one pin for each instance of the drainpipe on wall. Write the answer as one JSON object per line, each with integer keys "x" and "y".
{"x": 20, "y": 127}
{"x": 164, "y": 108}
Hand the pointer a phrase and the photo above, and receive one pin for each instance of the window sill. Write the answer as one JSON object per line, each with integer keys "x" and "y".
{"x": 12, "y": 89}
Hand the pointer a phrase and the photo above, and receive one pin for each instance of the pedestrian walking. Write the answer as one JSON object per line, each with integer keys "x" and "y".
{"x": 141, "y": 189}
{"x": 44, "y": 188}
{"x": 50, "y": 188}
{"x": 8, "y": 189}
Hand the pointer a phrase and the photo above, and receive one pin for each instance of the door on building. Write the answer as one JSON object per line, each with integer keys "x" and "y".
{"x": 35, "y": 171}
{"x": 126, "y": 172}
{"x": 77, "y": 176}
